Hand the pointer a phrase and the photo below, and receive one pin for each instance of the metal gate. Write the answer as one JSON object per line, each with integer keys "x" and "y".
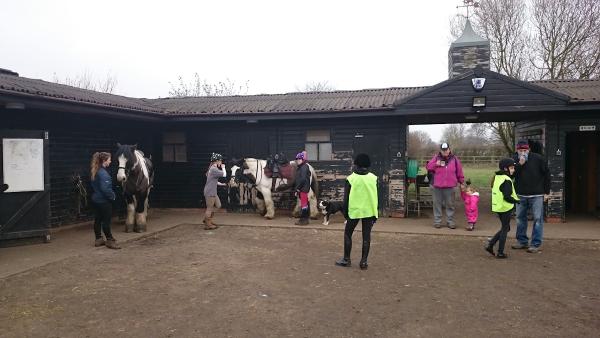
{"x": 24, "y": 167}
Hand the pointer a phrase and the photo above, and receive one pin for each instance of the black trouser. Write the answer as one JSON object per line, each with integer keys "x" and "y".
{"x": 501, "y": 234}
{"x": 103, "y": 219}
{"x": 367, "y": 225}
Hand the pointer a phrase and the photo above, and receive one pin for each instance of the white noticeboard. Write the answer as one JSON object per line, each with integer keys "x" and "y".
{"x": 23, "y": 164}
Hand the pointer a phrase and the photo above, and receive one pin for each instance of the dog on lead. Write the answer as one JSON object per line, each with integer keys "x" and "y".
{"x": 329, "y": 208}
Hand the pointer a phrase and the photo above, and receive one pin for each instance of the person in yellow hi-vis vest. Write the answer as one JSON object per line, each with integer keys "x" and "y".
{"x": 360, "y": 203}
{"x": 504, "y": 198}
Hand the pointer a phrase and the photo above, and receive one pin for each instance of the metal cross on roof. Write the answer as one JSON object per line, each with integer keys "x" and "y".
{"x": 469, "y": 3}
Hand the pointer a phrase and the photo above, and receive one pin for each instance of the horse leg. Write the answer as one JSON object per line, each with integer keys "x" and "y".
{"x": 312, "y": 202}
{"x": 259, "y": 203}
{"x": 296, "y": 211}
{"x": 268, "y": 203}
{"x": 130, "y": 220}
{"x": 140, "y": 213}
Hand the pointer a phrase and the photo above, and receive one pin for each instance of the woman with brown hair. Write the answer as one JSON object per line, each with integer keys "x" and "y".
{"x": 102, "y": 198}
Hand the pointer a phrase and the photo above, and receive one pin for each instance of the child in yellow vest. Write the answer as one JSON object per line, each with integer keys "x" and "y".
{"x": 504, "y": 199}
{"x": 360, "y": 204}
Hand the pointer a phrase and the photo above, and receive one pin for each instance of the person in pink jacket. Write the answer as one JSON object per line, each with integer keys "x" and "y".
{"x": 447, "y": 174}
{"x": 470, "y": 197}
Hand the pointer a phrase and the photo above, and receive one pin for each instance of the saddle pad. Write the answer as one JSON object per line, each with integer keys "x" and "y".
{"x": 286, "y": 171}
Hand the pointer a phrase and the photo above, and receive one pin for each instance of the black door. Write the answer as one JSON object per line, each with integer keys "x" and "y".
{"x": 24, "y": 167}
{"x": 581, "y": 171}
{"x": 378, "y": 150}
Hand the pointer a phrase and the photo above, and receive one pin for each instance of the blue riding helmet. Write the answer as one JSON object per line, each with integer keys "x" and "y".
{"x": 300, "y": 156}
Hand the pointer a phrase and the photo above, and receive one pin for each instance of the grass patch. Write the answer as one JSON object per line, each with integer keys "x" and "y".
{"x": 480, "y": 174}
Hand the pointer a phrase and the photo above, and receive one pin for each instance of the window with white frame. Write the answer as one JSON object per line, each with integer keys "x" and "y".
{"x": 318, "y": 145}
{"x": 174, "y": 147}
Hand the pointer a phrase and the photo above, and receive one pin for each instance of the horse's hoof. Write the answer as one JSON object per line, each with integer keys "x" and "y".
{"x": 267, "y": 217}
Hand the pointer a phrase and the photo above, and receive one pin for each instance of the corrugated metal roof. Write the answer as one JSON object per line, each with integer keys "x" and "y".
{"x": 366, "y": 99}
{"x": 349, "y": 100}
{"x": 577, "y": 90}
{"x": 22, "y": 85}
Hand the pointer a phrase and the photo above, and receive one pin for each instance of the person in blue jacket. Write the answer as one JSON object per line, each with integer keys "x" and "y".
{"x": 102, "y": 198}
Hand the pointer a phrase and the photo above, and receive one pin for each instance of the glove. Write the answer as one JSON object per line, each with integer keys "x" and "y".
{"x": 224, "y": 170}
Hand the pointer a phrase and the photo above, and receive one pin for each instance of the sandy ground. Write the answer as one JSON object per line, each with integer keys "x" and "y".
{"x": 270, "y": 282}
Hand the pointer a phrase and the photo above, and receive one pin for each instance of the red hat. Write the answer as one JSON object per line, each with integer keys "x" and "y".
{"x": 522, "y": 145}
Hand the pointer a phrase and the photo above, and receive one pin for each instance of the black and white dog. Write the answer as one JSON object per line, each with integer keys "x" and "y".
{"x": 329, "y": 208}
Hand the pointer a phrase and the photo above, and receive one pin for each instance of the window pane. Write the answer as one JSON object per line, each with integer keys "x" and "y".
{"x": 325, "y": 152}
{"x": 311, "y": 149}
{"x": 317, "y": 135}
{"x": 180, "y": 153}
{"x": 168, "y": 154}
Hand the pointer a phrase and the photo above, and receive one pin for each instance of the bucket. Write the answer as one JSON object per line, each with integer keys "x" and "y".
{"x": 412, "y": 167}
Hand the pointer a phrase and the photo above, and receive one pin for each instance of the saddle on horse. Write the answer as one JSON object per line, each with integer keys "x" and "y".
{"x": 279, "y": 167}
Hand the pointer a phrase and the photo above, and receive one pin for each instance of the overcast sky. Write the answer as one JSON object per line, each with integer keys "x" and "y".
{"x": 277, "y": 46}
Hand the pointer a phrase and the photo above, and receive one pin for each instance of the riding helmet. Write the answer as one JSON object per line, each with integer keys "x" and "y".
{"x": 300, "y": 156}
{"x": 362, "y": 160}
{"x": 216, "y": 157}
{"x": 505, "y": 163}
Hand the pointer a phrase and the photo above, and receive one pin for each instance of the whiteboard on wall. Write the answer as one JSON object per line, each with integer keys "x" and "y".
{"x": 23, "y": 164}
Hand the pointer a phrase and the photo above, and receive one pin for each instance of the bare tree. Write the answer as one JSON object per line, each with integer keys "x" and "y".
{"x": 85, "y": 80}
{"x": 567, "y": 38}
{"x": 454, "y": 134}
{"x": 504, "y": 23}
{"x": 316, "y": 86}
{"x": 419, "y": 144}
{"x": 504, "y": 132}
{"x": 201, "y": 87}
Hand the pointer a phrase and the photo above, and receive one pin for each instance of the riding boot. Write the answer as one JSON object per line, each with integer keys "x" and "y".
{"x": 209, "y": 224}
{"x": 303, "y": 217}
{"x": 111, "y": 243}
{"x": 345, "y": 261}
{"x": 365, "y": 254}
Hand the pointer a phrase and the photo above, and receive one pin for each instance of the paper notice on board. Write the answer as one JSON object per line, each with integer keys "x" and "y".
{"x": 23, "y": 164}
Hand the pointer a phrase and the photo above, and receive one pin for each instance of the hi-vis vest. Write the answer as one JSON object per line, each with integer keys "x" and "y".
{"x": 363, "y": 199}
{"x": 498, "y": 202}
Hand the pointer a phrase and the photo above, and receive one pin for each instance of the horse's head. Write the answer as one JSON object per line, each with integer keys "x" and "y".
{"x": 245, "y": 170}
{"x": 126, "y": 156}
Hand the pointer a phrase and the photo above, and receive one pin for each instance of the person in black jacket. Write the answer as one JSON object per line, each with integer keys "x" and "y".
{"x": 302, "y": 187}
{"x": 102, "y": 197}
{"x": 532, "y": 183}
{"x": 504, "y": 199}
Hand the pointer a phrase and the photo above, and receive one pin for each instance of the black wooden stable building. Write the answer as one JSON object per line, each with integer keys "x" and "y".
{"x": 563, "y": 116}
{"x": 181, "y": 133}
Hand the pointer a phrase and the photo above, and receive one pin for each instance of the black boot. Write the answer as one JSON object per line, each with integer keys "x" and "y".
{"x": 347, "y": 249}
{"x": 365, "y": 254}
{"x": 489, "y": 248}
{"x": 345, "y": 262}
{"x": 304, "y": 214}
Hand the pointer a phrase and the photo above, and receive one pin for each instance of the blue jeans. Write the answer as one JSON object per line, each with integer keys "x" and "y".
{"x": 537, "y": 210}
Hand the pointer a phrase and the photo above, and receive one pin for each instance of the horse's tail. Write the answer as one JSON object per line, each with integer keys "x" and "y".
{"x": 314, "y": 184}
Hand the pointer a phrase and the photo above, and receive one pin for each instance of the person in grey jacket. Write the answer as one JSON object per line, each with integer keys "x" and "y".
{"x": 215, "y": 171}
{"x": 102, "y": 198}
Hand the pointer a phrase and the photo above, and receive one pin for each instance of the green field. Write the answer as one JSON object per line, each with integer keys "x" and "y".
{"x": 480, "y": 175}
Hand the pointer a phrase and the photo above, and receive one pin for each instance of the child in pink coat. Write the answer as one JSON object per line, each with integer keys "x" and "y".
{"x": 471, "y": 198}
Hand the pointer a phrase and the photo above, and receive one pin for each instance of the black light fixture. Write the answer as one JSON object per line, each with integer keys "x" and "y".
{"x": 478, "y": 101}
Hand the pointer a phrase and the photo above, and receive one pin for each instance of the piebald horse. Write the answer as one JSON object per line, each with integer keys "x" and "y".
{"x": 254, "y": 170}
{"x": 136, "y": 175}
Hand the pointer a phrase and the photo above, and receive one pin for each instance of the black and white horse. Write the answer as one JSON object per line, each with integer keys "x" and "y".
{"x": 136, "y": 175}
{"x": 253, "y": 169}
